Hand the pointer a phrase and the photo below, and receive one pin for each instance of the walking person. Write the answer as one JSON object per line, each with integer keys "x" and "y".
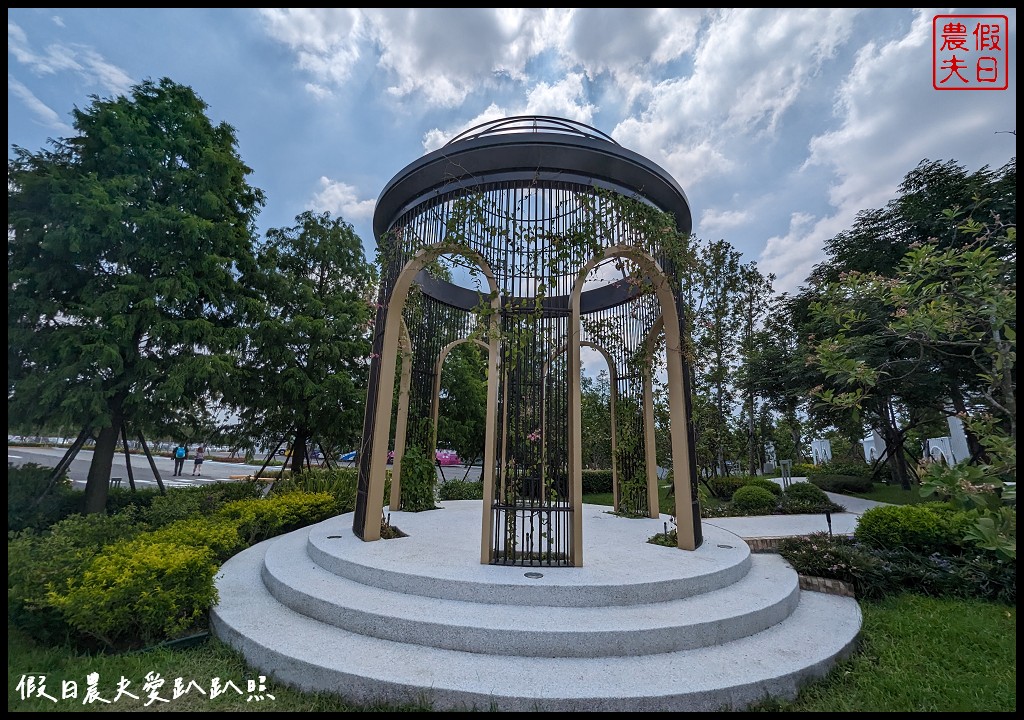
{"x": 197, "y": 464}
{"x": 180, "y": 453}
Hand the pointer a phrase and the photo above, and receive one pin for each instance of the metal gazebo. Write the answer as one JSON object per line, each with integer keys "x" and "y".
{"x": 536, "y": 214}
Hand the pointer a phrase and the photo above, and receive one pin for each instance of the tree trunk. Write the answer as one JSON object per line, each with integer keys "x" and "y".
{"x": 894, "y": 445}
{"x": 794, "y": 430}
{"x": 299, "y": 451}
{"x": 98, "y": 482}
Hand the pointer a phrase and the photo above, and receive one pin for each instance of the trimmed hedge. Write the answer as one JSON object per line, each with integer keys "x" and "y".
{"x": 597, "y": 482}
{"x": 770, "y": 485}
{"x": 461, "y": 490}
{"x": 843, "y": 484}
{"x": 26, "y": 485}
{"x": 754, "y": 500}
{"x": 926, "y": 528}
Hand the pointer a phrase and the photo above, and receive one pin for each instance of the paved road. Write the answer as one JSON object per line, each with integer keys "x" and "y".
{"x": 212, "y": 471}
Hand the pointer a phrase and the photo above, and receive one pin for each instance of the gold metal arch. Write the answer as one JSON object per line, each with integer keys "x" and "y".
{"x": 384, "y": 400}
{"x": 649, "y": 267}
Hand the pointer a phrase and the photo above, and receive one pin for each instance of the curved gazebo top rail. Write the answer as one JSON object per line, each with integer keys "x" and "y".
{"x": 529, "y": 149}
{"x": 531, "y": 123}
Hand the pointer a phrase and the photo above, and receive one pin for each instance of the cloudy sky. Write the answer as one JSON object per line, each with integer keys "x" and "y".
{"x": 780, "y": 125}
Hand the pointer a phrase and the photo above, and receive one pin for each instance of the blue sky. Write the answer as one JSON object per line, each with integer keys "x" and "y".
{"x": 780, "y": 125}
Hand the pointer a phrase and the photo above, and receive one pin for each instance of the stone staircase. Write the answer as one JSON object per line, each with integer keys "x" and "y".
{"x": 418, "y": 620}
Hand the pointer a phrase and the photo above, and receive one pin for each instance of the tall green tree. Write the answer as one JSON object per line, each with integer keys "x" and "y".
{"x": 753, "y": 297}
{"x": 712, "y": 292}
{"x": 462, "y": 408}
{"x": 125, "y": 242}
{"x": 922, "y": 380}
{"x": 306, "y": 352}
{"x": 596, "y": 414}
{"x": 776, "y": 369}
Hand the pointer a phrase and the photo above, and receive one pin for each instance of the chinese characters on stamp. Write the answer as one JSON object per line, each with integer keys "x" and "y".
{"x": 970, "y": 52}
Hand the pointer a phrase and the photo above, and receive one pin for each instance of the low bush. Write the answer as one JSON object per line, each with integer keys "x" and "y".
{"x": 38, "y": 560}
{"x": 843, "y": 484}
{"x": 805, "y": 469}
{"x": 32, "y": 503}
{"x": 596, "y": 482}
{"x": 770, "y": 485}
{"x": 181, "y": 503}
{"x": 461, "y": 490}
{"x": 139, "y": 592}
{"x": 258, "y": 520}
{"x": 341, "y": 483}
{"x": 803, "y": 498}
{"x": 724, "y": 487}
{"x": 925, "y": 528}
{"x": 753, "y": 500}
{"x": 876, "y": 573}
{"x": 842, "y": 467}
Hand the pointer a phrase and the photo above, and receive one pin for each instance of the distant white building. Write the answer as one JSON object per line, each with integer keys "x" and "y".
{"x": 821, "y": 451}
{"x": 939, "y": 450}
{"x": 874, "y": 447}
{"x": 958, "y": 439}
{"x": 950, "y": 449}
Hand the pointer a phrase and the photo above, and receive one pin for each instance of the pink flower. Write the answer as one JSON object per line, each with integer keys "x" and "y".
{"x": 534, "y": 436}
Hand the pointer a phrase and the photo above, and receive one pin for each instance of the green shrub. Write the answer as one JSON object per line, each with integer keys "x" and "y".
{"x": 220, "y": 535}
{"x": 597, "y": 482}
{"x": 724, "y": 487}
{"x": 805, "y": 469}
{"x": 26, "y": 485}
{"x": 805, "y": 491}
{"x": 418, "y": 480}
{"x": 35, "y": 560}
{"x": 258, "y": 520}
{"x": 138, "y": 592}
{"x": 876, "y": 573}
{"x": 804, "y": 498}
{"x": 842, "y": 467}
{"x": 843, "y": 483}
{"x": 770, "y": 485}
{"x": 341, "y": 483}
{"x": 753, "y": 500}
{"x": 925, "y": 528}
{"x": 820, "y": 555}
{"x": 191, "y": 501}
{"x": 121, "y": 498}
{"x": 461, "y": 490}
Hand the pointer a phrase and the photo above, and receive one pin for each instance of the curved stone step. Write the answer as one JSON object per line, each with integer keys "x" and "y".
{"x": 440, "y": 557}
{"x": 314, "y": 656}
{"x": 765, "y": 596}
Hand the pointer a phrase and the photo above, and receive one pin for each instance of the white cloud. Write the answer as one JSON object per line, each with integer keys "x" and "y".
{"x": 46, "y": 115}
{"x": 115, "y": 80}
{"x": 714, "y": 222}
{"x": 566, "y": 98}
{"x": 875, "y": 146}
{"x": 58, "y": 58}
{"x": 791, "y": 257}
{"x": 341, "y": 199}
{"x": 629, "y": 42}
{"x": 326, "y": 42}
{"x": 443, "y": 54}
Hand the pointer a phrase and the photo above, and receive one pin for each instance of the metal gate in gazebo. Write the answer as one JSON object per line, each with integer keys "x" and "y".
{"x": 537, "y": 238}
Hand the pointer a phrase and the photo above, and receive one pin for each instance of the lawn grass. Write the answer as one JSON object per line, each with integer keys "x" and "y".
{"x": 916, "y": 654}
{"x": 894, "y": 495}
{"x": 922, "y": 654}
